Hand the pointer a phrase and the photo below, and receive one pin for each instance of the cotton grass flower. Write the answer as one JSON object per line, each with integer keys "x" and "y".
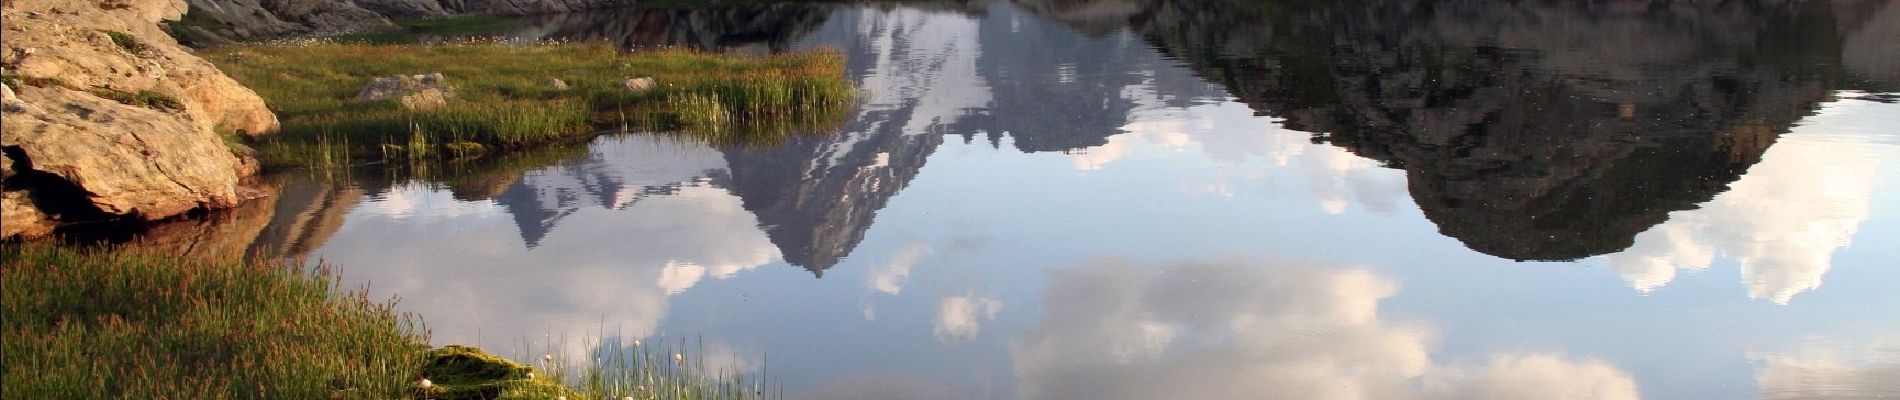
{"x": 425, "y": 383}
{"x": 678, "y": 358}
{"x": 530, "y": 375}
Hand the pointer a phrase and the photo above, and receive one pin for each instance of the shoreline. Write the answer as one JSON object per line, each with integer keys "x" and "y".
{"x": 267, "y": 119}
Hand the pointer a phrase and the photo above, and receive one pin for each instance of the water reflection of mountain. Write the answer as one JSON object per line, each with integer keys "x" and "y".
{"x": 614, "y": 174}
{"x": 1530, "y": 130}
{"x": 1522, "y": 137}
{"x": 928, "y": 71}
{"x": 1067, "y": 83}
{"x": 816, "y": 196}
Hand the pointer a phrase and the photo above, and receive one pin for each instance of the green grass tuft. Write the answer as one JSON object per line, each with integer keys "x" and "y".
{"x": 142, "y": 98}
{"x": 126, "y": 42}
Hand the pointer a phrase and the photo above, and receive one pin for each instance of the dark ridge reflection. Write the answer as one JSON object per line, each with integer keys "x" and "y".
{"x": 1529, "y": 130}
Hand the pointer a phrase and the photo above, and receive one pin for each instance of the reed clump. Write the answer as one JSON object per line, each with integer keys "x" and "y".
{"x": 504, "y": 97}
{"x": 666, "y": 369}
{"x": 94, "y": 324}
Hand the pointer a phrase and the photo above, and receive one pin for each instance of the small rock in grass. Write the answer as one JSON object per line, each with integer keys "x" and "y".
{"x": 414, "y": 92}
{"x": 403, "y": 85}
{"x": 557, "y": 84}
{"x": 640, "y": 84}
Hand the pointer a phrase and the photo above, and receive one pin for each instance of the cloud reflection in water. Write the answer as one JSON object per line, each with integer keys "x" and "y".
{"x": 1785, "y": 219}
{"x": 1115, "y": 329}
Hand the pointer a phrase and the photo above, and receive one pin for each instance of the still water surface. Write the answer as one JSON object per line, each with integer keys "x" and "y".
{"x": 1178, "y": 199}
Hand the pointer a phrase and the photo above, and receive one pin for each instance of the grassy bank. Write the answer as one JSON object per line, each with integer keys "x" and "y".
{"x": 504, "y": 98}
{"x": 101, "y": 323}
{"x": 95, "y": 324}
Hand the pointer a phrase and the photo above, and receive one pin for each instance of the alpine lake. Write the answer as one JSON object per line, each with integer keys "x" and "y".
{"x": 1146, "y": 199}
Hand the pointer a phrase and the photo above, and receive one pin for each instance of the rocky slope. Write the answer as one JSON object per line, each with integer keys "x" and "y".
{"x": 107, "y": 117}
{"x": 219, "y": 20}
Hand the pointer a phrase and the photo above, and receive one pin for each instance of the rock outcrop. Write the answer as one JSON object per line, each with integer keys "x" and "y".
{"x": 112, "y": 119}
{"x": 234, "y": 19}
{"x": 265, "y": 18}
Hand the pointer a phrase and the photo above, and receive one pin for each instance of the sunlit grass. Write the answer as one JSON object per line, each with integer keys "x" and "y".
{"x": 124, "y": 323}
{"x": 95, "y": 324}
{"x": 504, "y": 100}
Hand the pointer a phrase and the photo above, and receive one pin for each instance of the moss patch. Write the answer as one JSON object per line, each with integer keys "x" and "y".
{"x": 465, "y": 373}
{"x": 126, "y": 42}
{"x": 142, "y": 98}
